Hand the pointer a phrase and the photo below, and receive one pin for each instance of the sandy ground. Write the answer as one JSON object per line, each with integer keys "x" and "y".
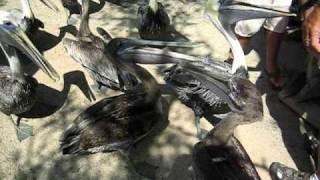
{"x": 166, "y": 153}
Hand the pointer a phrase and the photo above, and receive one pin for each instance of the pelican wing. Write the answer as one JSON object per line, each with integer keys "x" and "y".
{"x": 100, "y": 67}
{"x": 112, "y": 124}
{"x": 152, "y": 25}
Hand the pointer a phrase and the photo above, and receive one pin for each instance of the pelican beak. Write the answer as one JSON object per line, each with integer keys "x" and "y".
{"x": 139, "y": 42}
{"x": 50, "y": 5}
{"x": 14, "y": 36}
{"x": 244, "y": 11}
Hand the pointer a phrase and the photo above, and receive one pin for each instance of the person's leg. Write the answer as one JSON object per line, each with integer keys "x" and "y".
{"x": 273, "y": 43}
{"x": 244, "y": 42}
{"x": 244, "y": 31}
{"x": 276, "y": 28}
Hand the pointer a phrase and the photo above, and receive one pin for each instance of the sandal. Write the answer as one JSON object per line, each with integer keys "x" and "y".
{"x": 312, "y": 144}
{"x": 281, "y": 172}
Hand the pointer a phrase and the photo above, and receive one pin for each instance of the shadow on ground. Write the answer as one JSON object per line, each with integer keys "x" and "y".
{"x": 47, "y": 106}
{"x": 292, "y": 59}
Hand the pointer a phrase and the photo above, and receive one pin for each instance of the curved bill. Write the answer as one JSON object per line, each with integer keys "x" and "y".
{"x": 153, "y": 56}
{"x": 14, "y": 36}
{"x": 244, "y": 11}
{"x": 139, "y": 42}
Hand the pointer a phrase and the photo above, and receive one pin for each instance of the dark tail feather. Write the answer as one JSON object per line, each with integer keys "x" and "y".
{"x": 70, "y": 141}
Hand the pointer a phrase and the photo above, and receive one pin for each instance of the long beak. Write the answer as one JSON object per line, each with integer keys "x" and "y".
{"x": 215, "y": 69}
{"x": 243, "y": 11}
{"x": 153, "y": 56}
{"x": 139, "y": 42}
{"x": 50, "y": 5}
{"x": 14, "y": 36}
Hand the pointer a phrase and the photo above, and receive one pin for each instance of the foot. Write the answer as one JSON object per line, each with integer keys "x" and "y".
{"x": 281, "y": 172}
{"x": 275, "y": 79}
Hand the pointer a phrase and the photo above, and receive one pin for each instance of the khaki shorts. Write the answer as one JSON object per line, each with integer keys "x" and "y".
{"x": 248, "y": 28}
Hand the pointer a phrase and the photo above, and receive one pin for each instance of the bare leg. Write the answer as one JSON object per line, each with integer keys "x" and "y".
{"x": 244, "y": 42}
{"x": 273, "y": 42}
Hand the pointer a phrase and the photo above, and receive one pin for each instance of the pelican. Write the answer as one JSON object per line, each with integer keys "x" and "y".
{"x": 99, "y": 56}
{"x": 89, "y": 50}
{"x": 116, "y": 123}
{"x": 186, "y": 85}
{"x": 18, "y": 90}
{"x": 24, "y": 19}
{"x": 220, "y": 155}
{"x": 153, "y": 21}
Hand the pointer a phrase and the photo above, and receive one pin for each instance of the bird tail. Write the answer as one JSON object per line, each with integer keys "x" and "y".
{"x": 70, "y": 141}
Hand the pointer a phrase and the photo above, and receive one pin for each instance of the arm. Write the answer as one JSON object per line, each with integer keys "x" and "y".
{"x": 311, "y": 25}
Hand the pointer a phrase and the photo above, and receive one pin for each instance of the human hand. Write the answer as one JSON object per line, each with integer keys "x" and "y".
{"x": 311, "y": 29}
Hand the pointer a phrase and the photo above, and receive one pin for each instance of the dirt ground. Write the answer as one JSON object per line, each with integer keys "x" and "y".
{"x": 166, "y": 153}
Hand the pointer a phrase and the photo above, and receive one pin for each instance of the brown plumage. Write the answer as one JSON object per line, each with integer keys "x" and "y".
{"x": 153, "y": 23}
{"x": 115, "y": 123}
{"x": 220, "y": 155}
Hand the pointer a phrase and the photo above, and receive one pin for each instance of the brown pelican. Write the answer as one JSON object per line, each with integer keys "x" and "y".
{"x": 89, "y": 51}
{"x": 24, "y": 19}
{"x": 116, "y": 123}
{"x": 153, "y": 21}
{"x": 188, "y": 87}
{"x": 198, "y": 90}
{"x": 99, "y": 57}
{"x": 18, "y": 90}
{"x": 220, "y": 155}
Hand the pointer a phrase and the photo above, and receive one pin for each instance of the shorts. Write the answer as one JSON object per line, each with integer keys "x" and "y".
{"x": 248, "y": 28}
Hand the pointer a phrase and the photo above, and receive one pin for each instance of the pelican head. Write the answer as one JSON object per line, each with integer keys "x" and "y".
{"x": 14, "y": 36}
{"x": 225, "y": 13}
{"x": 245, "y": 94}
